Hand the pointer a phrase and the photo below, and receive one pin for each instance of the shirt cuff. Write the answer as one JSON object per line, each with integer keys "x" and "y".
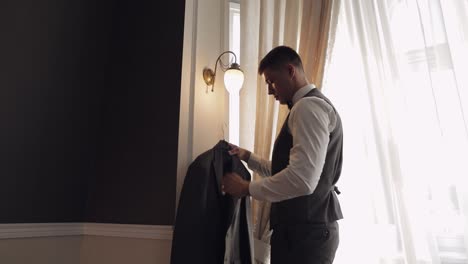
{"x": 254, "y": 161}
{"x": 255, "y": 189}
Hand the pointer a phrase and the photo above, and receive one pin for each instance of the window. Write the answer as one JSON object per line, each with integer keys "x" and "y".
{"x": 234, "y": 45}
{"x": 396, "y": 76}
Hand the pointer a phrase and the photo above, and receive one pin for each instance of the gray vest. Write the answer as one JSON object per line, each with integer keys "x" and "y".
{"x": 322, "y": 205}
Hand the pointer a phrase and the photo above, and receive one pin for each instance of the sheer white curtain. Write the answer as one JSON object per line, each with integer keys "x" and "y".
{"x": 301, "y": 24}
{"x": 264, "y": 24}
{"x": 399, "y": 77}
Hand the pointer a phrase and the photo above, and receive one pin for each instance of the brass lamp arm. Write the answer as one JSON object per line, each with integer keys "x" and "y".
{"x": 209, "y": 76}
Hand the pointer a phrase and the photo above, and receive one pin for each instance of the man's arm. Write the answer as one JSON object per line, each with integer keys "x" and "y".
{"x": 311, "y": 120}
{"x": 255, "y": 163}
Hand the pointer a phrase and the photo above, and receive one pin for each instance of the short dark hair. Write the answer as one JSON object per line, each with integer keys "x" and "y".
{"x": 278, "y": 57}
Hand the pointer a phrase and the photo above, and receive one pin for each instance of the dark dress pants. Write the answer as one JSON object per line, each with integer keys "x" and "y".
{"x": 304, "y": 244}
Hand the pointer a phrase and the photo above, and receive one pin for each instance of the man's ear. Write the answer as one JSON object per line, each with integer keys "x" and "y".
{"x": 291, "y": 70}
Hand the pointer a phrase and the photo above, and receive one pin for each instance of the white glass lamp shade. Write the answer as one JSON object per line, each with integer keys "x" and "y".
{"x": 233, "y": 80}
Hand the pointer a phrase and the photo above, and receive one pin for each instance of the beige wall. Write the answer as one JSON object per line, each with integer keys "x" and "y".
{"x": 116, "y": 250}
{"x": 203, "y": 114}
{"x": 43, "y": 250}
{"x": 84, "y": 250}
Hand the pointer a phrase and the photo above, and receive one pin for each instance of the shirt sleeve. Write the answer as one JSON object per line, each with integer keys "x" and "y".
{"x": 259, "y": 165}
{"x": 311, "y": 120}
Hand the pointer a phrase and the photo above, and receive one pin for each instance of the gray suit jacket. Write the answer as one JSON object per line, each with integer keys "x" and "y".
{"x": 206, "y": 218}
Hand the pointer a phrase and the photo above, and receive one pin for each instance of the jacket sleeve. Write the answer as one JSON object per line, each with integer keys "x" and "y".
{"x": 187, "y": 234}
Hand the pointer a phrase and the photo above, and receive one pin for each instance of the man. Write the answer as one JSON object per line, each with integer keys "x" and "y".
{"x": 305, "y": 166}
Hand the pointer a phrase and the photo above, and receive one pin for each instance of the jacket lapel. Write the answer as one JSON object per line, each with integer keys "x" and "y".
{"x": 218, "y": 166}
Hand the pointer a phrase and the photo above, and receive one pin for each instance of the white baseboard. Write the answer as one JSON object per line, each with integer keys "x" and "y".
{"x": 40, "y": 230}
{"x": 79, "y": 229}
{"x": 128, "y": 231}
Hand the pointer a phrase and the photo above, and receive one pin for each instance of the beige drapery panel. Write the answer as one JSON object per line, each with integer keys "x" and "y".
{"x": 303, "y": 25}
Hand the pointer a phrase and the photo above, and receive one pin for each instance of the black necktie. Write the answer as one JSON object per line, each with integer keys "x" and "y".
{"x": 290, "y": 105}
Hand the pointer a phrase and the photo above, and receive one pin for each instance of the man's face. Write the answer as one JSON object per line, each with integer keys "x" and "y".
{"x": 279, "y": 83}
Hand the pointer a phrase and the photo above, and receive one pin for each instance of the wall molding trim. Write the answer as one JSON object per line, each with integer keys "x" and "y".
{"x": 40, "y": 230}
{"x": 30, "y": 230}
{"x": 128, "y": 231}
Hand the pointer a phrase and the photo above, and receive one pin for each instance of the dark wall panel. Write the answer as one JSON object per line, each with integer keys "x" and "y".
{"x": 137, "y": 149}
{"x": 45, "y": 108}
{"x": 89, "y": 108}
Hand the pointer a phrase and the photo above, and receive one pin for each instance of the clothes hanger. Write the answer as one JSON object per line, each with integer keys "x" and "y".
{"x": 223, "y": 132}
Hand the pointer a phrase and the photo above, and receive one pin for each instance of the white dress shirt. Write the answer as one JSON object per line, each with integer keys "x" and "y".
{"x": 310, "y": 123}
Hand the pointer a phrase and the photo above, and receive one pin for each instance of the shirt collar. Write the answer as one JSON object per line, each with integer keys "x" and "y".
{"x": 301, "y": 92}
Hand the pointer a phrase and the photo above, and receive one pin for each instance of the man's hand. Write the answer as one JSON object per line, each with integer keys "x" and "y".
{"x": 240, "y": 152}
{"x": 235, "y": 185}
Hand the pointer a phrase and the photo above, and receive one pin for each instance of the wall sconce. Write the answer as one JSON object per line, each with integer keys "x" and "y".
{"x": 233, "y": 75}
{"x": 233, "y": 80}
